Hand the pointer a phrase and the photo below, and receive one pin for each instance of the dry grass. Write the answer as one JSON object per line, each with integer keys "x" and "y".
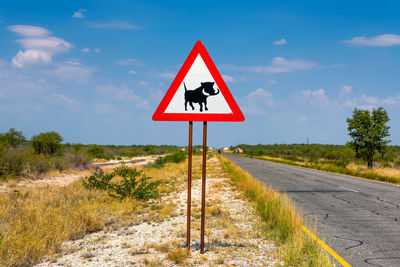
{"x": 35, "y": 221}
{"x": 282, "y": 223}
{"x": 390, "y": 175}
{"x": 177, "y": 255}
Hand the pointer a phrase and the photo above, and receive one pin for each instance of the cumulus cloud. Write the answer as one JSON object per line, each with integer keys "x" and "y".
{"x": 129, "y": 61}
{"x": 123, "y": 93}
{"x": 257, "y": 100}
{"x": 228, "y": 78}
{"x": 277, "y": 65}
{"x": 80, "y": 14}
{"x": 86, "y": 50}
{"x": 346, "y": 89}
{"x": 38, "y": 44}
{"x": 30, "y": 57}
{"x": 97, "y": 50}
{"x": 383, "y": 40}
{"x": 317, "y": 97}
{"x": 371, "y": 102}
{"x": 280, "y": 42}
{"x": 114, "y": 25}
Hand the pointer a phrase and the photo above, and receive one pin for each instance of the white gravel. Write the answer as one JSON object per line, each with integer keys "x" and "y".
{"x": 233, "y": 235}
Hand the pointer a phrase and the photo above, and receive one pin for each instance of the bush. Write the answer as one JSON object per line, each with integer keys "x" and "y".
{"x": 128, "y": 186}
{"x": 79, "y": 160}
{"x": 47, "y": 143}
{"x": 14, "y": 162}
{"x": 176, "y": 157}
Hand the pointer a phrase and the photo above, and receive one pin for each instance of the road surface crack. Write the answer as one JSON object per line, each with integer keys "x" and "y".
{"x": 355, "y": 240}
{"x": 374, "y": 264}
{"x": 391, "y": 203}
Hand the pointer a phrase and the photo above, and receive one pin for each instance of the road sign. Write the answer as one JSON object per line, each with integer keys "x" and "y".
{"x": 198, "y": 93}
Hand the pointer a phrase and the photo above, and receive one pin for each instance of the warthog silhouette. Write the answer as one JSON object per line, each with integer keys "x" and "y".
{"x": 199, "y": 95}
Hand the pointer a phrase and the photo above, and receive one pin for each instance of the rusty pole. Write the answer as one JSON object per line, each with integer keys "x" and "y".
{"x": 203, "y": 187}
{"x": 189, "y": 197}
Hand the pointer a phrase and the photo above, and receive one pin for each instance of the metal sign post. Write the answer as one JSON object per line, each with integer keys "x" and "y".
{"x": 189, "y": 197}
{"x": 198, "y": 93}
{"x": 203, "y": 187}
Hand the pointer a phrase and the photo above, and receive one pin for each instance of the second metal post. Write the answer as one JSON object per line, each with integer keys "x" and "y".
{"x": 203, "y": 187}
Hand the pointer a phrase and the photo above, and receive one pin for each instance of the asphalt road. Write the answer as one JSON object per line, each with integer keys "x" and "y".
{"x": 358, "y": 219}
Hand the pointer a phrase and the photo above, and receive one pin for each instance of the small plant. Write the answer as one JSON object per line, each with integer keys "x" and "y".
{"x": 133, "y": 184}
{"x": 177, "y": 255}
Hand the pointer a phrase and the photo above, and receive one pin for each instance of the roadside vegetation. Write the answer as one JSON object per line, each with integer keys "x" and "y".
{"x": 367, "y": 155}
{"x": 43, "y": 153}
{"x": 35, "y": 222}
{"x": 282, "y": 221}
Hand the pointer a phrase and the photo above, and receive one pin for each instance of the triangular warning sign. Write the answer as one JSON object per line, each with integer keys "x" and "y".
{"x": 198, "y": 93}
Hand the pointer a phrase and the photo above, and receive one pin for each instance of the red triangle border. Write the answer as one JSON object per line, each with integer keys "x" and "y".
{"x": 160, "y": 115}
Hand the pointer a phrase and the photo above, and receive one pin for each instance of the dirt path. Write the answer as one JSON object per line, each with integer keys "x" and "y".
{"x": 69, "y": 177}
{"x": 233, "y": 233}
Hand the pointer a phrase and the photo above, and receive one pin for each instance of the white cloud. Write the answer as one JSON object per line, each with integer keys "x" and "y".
{"x": 30, "y": 57}
{"x": 383, "y": 40}
{"x": 73, "y": 71}
{"x": 317, "y": 97}
{"x": 80, "y": 14}
{"x": 257, "y": 98}
{"x": 132, "y": 72}
{"x": 97, "y": 50}
{"x": 40, "y": 47}
{"x": 115, "y": 25}
{"x": 346, "y": 89}
{"x": 260, "y": 93}
{"x": 370, "y": 102}
{"x": 129, "y": 61}
{"x": 63, "y": 100}
{"x": 143, "y": 83}
{"x": 167, "y": 75}
{"x": 27, "y": 30}
{"x": 228, "y": 78}
{"x": 280, "y": 42}
{"x": 123, "y": 93}
{"x": 278, "y": 65}
{"x": 86, "y": 50}
{"x": 272, "y": 82}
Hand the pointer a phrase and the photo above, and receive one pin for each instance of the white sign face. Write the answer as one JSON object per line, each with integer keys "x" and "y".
{"x": 201, "y": 95}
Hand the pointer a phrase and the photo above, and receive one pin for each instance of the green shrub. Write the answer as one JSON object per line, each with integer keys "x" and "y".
{"x": 176, "y": 157}
{"x": 133, "y": 183}
{"x": 47, "y": 143}
{"x": 14, "y": 162}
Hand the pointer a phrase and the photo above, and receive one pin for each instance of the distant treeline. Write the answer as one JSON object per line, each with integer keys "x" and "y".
{"x": 338, "y": 154}
{"x": 44, "y": 152}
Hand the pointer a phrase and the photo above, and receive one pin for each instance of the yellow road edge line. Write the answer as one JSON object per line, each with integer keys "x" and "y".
{"x": 326, "y": 247}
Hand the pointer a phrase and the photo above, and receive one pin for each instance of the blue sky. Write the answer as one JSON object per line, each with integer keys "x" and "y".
{"x": 95, "y": 71}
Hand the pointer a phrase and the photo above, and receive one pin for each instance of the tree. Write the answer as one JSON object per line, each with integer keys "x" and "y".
{"x": 12, "y": 138}
{"x": 47, "y": 143}
{"x": 368, "y": 131}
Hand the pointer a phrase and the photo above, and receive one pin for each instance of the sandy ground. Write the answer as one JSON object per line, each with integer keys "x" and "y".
{"x": 233, "y": 233}
{"x": 69, "y": 177}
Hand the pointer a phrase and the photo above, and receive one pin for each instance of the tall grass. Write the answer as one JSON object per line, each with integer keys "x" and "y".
{"x": 35, "y": 221}
{"x": 282, "y": 222}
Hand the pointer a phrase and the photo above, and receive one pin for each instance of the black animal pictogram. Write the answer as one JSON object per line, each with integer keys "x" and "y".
{"x": 199, "y": 95}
